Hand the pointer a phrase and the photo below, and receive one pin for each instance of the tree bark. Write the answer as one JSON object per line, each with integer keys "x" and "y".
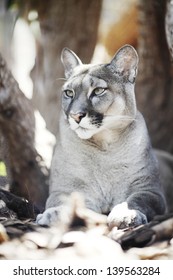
{"x": 169, "y": 27}
{"x": 29, "y": 177}
{"x": 155, "y": 79}
{"x": 63, "y": 23}
{"x": 157, "y": 230}
{"x": 16, "y": 207}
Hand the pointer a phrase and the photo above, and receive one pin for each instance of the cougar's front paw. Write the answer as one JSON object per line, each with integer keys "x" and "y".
{"x": 49, "y": 216}
{"x": 122, "y": 217}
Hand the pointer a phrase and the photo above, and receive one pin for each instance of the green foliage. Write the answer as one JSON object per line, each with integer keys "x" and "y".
{"x": 3, "y": 171}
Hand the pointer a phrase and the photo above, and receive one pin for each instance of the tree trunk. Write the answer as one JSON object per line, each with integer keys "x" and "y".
{"x": 63, "y": 23}
{"x": 169, "y": 26}
{"x": 7, "y": 22}
{"x": 29, "y": 178}
{"x": 155, "y": 80}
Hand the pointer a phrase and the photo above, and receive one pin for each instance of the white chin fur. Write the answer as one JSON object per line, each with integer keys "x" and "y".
{"x": 84, "y": 130}
{"x": 85, "y": 133}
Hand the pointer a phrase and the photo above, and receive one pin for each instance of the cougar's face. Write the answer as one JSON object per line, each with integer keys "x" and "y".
{"x": 91, "y": 103}
{"x": 99, "y": 97}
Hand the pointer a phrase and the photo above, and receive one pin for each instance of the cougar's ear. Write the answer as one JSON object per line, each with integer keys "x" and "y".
{"x": 125, "y": 62}
{"x": 70, "y": 60}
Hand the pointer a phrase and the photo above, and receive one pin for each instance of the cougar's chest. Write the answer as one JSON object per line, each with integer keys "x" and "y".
{"x": 108, "y": 170}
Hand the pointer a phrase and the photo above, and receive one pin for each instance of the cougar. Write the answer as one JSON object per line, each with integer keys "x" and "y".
{"x": 104, "y": 150}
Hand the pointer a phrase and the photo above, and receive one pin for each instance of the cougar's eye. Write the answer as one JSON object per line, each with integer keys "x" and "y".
{"x": 69, "y": 93}
{"x": 99, "y": 91}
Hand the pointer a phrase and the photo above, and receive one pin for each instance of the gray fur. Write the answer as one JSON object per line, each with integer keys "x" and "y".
{"x": 166, "y": 175}
{"x": 104, "y": 150}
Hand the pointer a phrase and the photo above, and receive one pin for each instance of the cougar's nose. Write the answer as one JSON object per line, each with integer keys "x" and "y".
{"x": 78, "y": 116}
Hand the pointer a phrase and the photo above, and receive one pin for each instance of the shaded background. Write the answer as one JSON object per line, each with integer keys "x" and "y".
{"x": 33, "y": 33}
